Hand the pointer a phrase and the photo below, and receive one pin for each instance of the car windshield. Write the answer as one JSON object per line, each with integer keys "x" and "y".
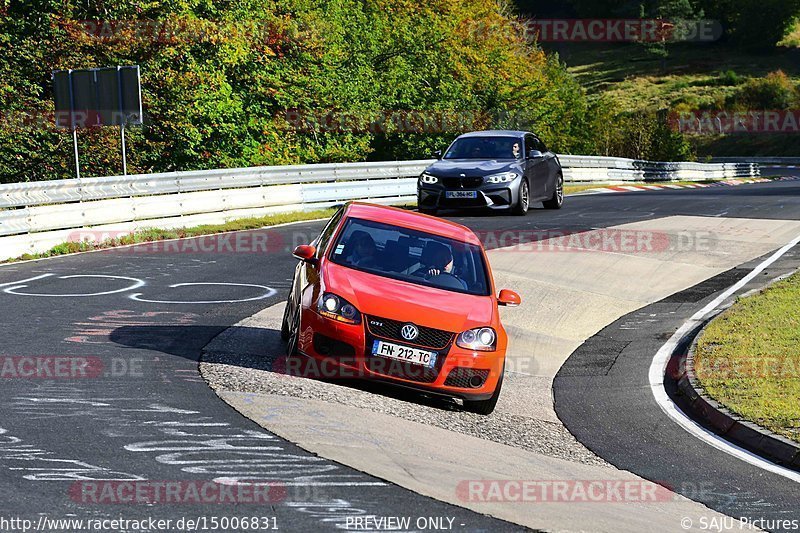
{"x": 412, "y": 256}
{"x": 485, "y": 148}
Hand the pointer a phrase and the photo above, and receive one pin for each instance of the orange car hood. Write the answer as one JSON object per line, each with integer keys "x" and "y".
{"x": 399, "y": 300}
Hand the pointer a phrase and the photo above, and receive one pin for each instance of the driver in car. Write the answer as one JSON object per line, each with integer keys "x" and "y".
{"x": 515, "y": 150}
{"x": 436, "y": 264}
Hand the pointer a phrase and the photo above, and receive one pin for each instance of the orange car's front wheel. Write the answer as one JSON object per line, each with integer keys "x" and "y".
{"x": 294, "y": 332}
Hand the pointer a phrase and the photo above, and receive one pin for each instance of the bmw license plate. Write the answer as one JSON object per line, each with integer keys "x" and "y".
{"x": 404, "y": 353}
{"x": 461, "y": 194}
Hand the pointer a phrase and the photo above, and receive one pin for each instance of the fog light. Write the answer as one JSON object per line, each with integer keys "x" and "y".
{"x": 475, "y": 382}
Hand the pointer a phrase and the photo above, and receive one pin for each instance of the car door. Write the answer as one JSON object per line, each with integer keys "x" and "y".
{"x": 553, "y": 169}
{"x": 535, "y": 167}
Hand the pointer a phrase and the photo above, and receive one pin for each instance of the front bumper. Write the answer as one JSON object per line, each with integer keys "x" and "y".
{"x": 340, "y": 351}
{"x": 495, "y": 196}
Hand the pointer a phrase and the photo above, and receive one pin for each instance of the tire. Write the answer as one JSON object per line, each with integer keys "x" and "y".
{"x": 294, "y": 335}
{"x": 558, "y": 196}
{"x": 285, "y": 323}
{"x": 524, "y": 200}
{"x": 486, "y": 407}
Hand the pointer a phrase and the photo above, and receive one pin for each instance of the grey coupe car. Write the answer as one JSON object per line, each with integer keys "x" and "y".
{"x": 498, "y": 170}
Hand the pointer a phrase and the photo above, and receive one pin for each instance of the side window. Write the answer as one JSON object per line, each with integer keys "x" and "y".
{"x": 325, "y": 236}
{"x": 542, "y": 148}
{"x": 530, "y": 144}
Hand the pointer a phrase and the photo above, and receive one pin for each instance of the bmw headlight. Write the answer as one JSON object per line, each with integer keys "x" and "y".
{"x": 481, "y": 339}
{"x": 503, "y": 177}
{"x": 429, "y": 179}
{"x": 337, "y": 308}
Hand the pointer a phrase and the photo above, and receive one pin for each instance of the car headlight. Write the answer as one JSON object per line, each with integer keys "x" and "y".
{"x": 427, "y": 178}
{"x": 339, "y": 309}
{"x": 503, "y": 177}
{"x": 481, "y": 339}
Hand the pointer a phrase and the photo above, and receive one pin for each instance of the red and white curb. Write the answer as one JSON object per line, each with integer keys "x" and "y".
{"x": 656, "y": 187}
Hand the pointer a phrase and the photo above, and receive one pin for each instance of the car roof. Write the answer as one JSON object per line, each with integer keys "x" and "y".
{"x": 496, "y": 133}
{"x": 412, "y": 220}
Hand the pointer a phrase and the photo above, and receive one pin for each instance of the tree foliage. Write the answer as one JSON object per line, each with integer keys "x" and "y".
{"x": 258, "y": 82}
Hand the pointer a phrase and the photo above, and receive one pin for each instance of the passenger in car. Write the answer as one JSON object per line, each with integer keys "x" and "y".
{"x": 362, "y": 250}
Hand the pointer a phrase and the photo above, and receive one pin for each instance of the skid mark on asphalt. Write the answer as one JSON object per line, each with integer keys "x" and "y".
{"x": 182, "y": 438}
{"x": 37, "y": 464}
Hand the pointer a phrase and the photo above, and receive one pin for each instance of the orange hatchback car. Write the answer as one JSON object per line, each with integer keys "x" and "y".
{"x": 393, "y": 295}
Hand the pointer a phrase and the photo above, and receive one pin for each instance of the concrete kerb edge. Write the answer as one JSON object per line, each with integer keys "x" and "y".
{"x": 723, "y": 421}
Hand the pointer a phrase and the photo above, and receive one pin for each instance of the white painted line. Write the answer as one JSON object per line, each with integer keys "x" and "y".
{"x": 135, "y": 285}
{"x": 26, "y": 280}
{"x": 268, "y": 292}
{"x": 659, "y": 365}
{"x": 630, "y": 188}
{"x": 653, "y": 187}
{"x": 674, "y": 186}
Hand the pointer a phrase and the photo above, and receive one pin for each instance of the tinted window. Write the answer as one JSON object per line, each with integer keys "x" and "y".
{"x": 485, "y": 148}
{"x": 412, "y": 256}
{"x": 534, "y": 144}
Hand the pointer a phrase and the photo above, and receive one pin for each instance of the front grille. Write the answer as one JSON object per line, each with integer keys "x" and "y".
{"x": 387, "y": 328}
{"x": 461, "y": 377}
{"x": 465, "y": 183}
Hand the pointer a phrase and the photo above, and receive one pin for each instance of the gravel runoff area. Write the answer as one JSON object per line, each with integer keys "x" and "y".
{"x": 241, "y": 359}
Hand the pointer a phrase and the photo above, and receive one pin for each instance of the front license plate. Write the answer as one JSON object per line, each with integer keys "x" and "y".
{"x": 404, "y": 353}
{"x": 461, "y": 194}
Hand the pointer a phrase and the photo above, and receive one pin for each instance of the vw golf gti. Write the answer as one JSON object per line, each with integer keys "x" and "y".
{"x": 397, "y": 296}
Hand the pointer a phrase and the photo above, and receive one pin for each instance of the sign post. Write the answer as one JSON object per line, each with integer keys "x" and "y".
{"x": 98, "y": 97}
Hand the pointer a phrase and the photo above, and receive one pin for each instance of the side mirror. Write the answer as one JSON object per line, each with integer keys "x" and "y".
{"x": 437, "y": 154}
{"x": 305, "y": 252}
{"x": 534, "y": 154}
{"x": 509, "y": 298}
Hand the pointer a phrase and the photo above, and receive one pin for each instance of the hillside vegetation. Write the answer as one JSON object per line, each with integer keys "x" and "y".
{"x": 753, "y": 66}
{"x": 259, "y": 82}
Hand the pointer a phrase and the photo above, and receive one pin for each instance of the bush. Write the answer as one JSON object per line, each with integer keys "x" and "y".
{"x": 728, "y": 78}
{"x": 774, "y": 91}
{"x": 638, "y": 135}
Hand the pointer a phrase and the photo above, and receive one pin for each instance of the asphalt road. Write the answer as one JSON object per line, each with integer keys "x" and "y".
{"x": 148, "y": 415}
{"x": 602, "y": 394}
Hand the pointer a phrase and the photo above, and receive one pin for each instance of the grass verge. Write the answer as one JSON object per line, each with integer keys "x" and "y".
{"x": 748, "y": 359}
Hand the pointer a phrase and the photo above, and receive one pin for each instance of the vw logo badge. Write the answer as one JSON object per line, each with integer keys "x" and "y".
{"x": 409, "y": 332}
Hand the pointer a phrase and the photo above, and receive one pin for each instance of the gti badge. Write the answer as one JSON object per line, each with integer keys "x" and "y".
{"x": 409, "y": 332}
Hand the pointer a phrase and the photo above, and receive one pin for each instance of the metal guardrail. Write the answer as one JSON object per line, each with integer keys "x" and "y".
{"x": 36, "y": 216}
{"x": 591, "y": 168}
{"x": 777, "y": 161}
